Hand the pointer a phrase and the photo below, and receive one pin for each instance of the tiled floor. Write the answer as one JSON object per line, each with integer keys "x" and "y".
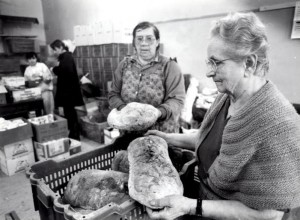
{"x": 15, "y": 191}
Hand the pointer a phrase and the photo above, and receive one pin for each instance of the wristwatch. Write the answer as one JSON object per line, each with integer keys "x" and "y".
{"x": 199, "y": 207}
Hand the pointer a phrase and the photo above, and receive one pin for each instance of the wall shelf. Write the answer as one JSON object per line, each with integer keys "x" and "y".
{"x": 18, "y": 19}
{"x": 17, "y": 36}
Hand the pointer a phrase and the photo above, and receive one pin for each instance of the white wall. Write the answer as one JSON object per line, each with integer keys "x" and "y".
{"x": 186, "y": 39}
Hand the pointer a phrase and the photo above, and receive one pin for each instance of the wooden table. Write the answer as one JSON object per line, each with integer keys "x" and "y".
{"x": 21, "y": 109}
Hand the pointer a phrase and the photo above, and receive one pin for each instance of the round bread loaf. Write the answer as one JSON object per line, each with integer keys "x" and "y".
{"x": 93, "y": 189}
{"x": 133, "y": 117}
{"x": 151, "y": 174}
{"x": 120, "y": 162}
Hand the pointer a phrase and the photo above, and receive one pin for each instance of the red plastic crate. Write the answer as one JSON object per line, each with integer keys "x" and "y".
{"x": 50, "y": 178}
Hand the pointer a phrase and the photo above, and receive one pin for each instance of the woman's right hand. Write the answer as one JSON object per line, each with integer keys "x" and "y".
{"x": 172, "y": 207}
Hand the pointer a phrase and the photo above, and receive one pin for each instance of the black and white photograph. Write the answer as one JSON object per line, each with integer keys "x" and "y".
{"x": 149, "y": 109}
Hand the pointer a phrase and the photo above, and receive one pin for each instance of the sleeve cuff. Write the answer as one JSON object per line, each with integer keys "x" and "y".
{"x": 163, "y": 113}
{"x": 121, "y": 106}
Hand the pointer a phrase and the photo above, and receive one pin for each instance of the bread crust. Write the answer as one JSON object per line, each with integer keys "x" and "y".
{"x": 93, "y": 189}
{"x": 133, "y": 117}
{"x": 151, "y": 174}
{"x": 120, "y": 162}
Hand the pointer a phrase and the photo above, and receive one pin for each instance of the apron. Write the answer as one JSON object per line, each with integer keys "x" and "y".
{"x": 146, "y": 84}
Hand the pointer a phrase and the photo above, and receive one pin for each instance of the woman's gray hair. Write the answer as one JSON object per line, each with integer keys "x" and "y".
{"x": 246, "y": 35}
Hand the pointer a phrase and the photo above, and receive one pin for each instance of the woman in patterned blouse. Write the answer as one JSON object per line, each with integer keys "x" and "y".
{"x": 148, "y": 77}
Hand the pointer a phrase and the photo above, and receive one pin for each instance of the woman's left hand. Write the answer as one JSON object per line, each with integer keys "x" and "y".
{"x": 171, "y": 207}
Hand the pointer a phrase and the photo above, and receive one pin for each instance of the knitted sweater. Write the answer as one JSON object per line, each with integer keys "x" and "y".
{"x": 259, "y": 160}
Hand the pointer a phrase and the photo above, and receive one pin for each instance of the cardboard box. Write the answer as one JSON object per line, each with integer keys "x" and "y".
{"x": 17, "y": 164}
{"x": 110, "y": 134}
{"x": 93, "y": 130}
{"x": 33, "y": 84}
{"x": 75, "y": 146}
{"x": 52, "y": 148}
{"x": 110, "y": 50}
{"x": 57, "y": 158}
{"x": 109, "y": 64}
{"x": 86, "y": 51}
{"x": 17, "y": 148}
{"x": 51, "y": 131}
{"x": 3, "y": 92}
{"x": 87, "y": 109}
{"x": 13, "y": 82}
{"x": 25, "y": 94}
{"x": 97, "y": 51}
{"x": 16, "y": 134}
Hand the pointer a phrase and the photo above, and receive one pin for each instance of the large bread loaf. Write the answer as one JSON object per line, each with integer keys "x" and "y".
{"x": 151, "y": 174}
{"x": 93, "y": 189}
{"x": 120, "y": 162}
{"x": 133, "y": 117}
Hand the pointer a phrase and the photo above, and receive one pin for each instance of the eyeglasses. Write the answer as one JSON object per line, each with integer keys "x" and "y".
{"x": 148, "y": 39}
{"x": 213, "y": 64}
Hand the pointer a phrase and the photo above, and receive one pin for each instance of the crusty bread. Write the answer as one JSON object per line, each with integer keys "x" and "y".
{"x": 120, "y": 162}
{"x": 133, "y": 117}
{"x": 93, "y": 189}
{"x": 151, "y": 174}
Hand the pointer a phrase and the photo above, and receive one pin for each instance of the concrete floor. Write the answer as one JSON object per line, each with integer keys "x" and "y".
{"x": 15, "y": 191}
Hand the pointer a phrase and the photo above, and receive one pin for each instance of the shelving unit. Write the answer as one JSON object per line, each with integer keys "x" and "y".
{"x": 14, "y": 43}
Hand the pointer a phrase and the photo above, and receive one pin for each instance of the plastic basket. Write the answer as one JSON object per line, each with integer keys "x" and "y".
{"x": 49, "y": 179}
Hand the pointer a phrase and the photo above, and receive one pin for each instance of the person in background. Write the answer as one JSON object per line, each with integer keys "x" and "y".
{"x": 68, "y": 93}
{"x": 148, "y": 77}
{"x": 38, "y": 74}
{"x": 248, "y": 145}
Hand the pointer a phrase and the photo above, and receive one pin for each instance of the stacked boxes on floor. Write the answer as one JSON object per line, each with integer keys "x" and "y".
{"x": 101, "y": 61}
{"x": 51, "y": 138}
{"x": 16, "y": 148}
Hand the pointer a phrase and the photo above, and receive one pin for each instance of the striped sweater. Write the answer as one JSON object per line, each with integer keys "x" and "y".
{"x": 259, "y": 160}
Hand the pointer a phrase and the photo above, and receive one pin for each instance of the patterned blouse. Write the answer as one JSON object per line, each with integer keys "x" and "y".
{"x": 159, "y": 83}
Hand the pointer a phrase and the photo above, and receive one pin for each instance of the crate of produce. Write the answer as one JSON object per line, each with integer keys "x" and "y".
{"x": 50, "y": 178}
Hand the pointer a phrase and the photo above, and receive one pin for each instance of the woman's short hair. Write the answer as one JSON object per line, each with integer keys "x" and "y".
{"x": 31, "y": 55}
{"x": 58, "y": 44}
{"x": 246, "y": 35}
{"x": 142, "y": 26}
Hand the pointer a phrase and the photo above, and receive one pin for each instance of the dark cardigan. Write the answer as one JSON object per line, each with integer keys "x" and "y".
{"x": 68, "y": 87}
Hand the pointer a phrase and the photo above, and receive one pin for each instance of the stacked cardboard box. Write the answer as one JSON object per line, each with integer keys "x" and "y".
{"x": 51, "y": 137}
{"x": 101, "y": 61}
{"x": 16, "y": 148}
{"x": 49, "y": 130}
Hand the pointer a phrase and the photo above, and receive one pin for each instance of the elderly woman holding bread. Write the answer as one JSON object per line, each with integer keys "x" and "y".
{"x": 150, "y": 78}
{"x": 248, "y": 145}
